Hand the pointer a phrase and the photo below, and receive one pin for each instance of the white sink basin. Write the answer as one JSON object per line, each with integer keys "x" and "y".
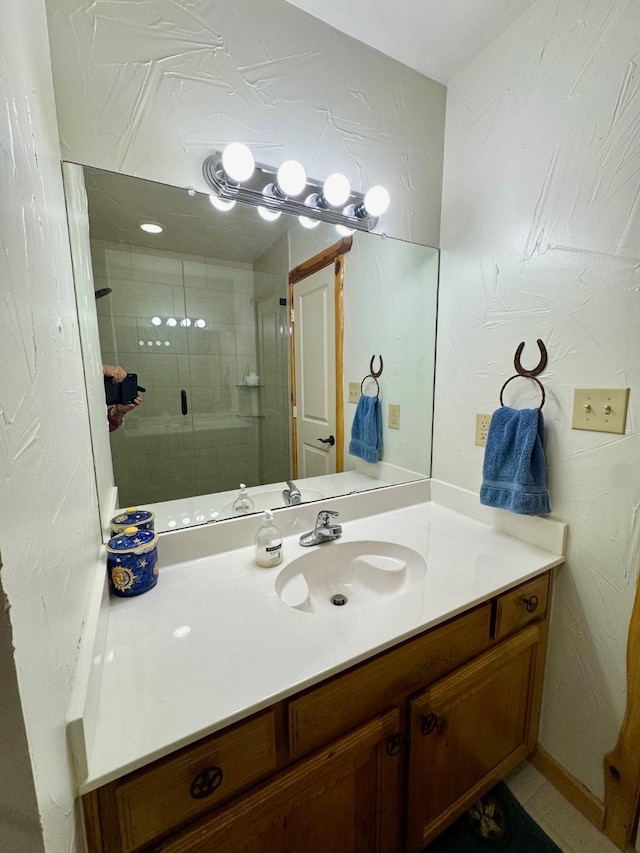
{"x": 272, "y": 499}
{"x": 365, "y": 573}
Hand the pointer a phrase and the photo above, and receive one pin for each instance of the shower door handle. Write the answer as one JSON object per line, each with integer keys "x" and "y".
{"x": 183, "y": 400}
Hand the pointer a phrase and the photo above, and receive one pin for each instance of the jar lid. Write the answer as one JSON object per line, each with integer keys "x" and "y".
{"x": 132, "y": 539}
{"x": 132, "y": 516}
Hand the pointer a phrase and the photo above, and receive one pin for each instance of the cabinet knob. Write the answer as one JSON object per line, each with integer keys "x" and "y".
{"x": 395, "y": 743}
{"x": 206, "y": 782}
{"x": 432, "y": 723}
{"x": 531, "y": 603}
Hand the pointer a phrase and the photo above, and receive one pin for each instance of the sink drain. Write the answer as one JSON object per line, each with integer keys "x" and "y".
{"x": 338, "y": 599}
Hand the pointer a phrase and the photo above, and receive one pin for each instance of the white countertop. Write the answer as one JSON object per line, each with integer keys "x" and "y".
{"x": 213, "y": 643}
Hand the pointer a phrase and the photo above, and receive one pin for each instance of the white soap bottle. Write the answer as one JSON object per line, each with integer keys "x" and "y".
{"x": 243, "y": 504}
{"x": 268, "y": 543}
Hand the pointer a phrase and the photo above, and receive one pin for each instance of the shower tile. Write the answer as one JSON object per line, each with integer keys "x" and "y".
{"x": 155, "y": 368}
{"x": 140, "y": 299}
{"x": 118, "y": 263}
{"x": 194, "y": 273}
{"x": 156, "y": 269}
{"x": 198, "y": 341}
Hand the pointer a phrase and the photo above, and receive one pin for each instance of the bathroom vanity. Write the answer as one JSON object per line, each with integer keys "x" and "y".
{"x": 270, "y": 727}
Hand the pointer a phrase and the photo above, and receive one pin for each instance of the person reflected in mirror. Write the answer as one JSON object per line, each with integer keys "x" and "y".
{"x": 116, "y": 413}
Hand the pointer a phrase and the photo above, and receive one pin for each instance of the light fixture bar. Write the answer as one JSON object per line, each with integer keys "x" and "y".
{"x": 252, "y": 191}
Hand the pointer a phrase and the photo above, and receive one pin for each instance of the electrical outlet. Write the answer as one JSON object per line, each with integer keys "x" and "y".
{"x": 394, "y": 416}
{"x": 354, "y": 392}
{"x": 482, "y": 429}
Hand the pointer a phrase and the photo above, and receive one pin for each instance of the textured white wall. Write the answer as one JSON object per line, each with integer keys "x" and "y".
{"x": 541, "y": 239}
{"x": 150, "y": 89}
{"x": 49, "y": 523}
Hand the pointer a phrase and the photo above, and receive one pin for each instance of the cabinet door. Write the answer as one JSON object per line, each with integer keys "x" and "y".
{"x": 342, "y": 799}
{"x": 467, "y": 731}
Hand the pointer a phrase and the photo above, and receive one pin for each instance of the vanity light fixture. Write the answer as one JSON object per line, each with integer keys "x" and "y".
{"x": 233, "y": 175}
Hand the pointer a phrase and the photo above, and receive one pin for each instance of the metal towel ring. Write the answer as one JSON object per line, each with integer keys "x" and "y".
{"x": 524, "y": 376}
{"x": 373, "y": 374}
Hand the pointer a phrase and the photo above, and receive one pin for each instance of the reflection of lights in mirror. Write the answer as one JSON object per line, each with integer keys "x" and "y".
{"x": 185, "y": 322}
{"x": 151, "y": 227}
{"x": 172, "y": 321}
{"x": 220, "y": 204}
{"x": 308, "y": 223}
{"x": 156, "y": 321}
{"x": 182, "y": 631}
{"x": 269, "y": 215}
{"x": 343, "y": 231}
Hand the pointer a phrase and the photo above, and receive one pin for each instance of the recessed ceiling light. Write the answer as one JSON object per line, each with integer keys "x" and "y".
{"x": 151, "y": 227}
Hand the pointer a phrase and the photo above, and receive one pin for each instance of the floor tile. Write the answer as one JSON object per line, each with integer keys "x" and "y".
{"x": 555, "y": 815}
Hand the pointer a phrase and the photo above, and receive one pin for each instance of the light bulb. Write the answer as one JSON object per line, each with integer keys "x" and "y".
{"x": 152, "y": 227}
{"x": 201, "y": 324}
{"x": 156, "y": 321}
{"x": 238, "y": 162}
{"x": 185, "y": 322}
{"x": 308, "y": 223}
{"x": 376, "y": 201}
{"x": 172, "y": 321}
{"x": 343, "y": 231}
{"x": 267, "y": 214}
{"x": 292, "y": 178}
{"x": 336, "y": 189}
{"x": 221, "y": 203}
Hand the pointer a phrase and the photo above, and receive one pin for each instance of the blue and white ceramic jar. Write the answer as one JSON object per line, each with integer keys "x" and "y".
{"x": 132, "y": 517}
{"x": 132, "y": 562}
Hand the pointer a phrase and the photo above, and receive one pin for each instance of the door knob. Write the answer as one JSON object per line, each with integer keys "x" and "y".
{"x": 330, "y": 441}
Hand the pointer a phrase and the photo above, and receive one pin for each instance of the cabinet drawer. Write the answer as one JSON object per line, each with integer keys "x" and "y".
{"x": 521, "y": 605}
{"x": 330, "y": 710}
{"x": 177, "y": 789}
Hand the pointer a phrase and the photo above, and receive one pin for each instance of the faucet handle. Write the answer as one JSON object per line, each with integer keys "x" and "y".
{"x": 325, "y": 516}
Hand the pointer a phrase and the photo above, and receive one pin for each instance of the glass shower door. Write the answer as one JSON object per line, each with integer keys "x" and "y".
{"x": 143, "y": 328}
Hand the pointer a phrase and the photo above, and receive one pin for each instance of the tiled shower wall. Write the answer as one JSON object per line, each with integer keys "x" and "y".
{"x": 157, "y": 453}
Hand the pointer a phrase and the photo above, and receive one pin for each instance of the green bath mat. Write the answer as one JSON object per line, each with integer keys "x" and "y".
{"x": 497, "y": 822}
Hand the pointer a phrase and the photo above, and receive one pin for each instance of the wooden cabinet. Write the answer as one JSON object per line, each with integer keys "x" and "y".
{"x": 343, "y": 798}
{"x": 382, "y": 757}
{"x": 466, "y": 732}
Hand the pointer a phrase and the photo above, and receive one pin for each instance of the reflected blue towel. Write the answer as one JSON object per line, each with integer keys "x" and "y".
{"x": 366, "y": 430}
{"x": 515, "y": 468}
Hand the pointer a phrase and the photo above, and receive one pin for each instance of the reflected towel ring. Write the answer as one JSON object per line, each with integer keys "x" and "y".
{"x": 525, "y": 376}
{"x": 376, "y": 373}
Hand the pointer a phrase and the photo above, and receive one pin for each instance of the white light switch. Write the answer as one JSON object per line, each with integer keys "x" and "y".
{"x": 600, "y": 409}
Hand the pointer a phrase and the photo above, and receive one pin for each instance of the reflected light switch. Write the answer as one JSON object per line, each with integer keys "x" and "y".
{"x": 600, "y": 409}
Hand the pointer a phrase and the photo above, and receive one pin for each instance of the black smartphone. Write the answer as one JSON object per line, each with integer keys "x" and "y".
{"x": 123, "y": 392}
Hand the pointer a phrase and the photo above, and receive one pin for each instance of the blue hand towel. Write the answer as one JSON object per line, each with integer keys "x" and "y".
{"x": 366, "y": 431}
{"x": 515, "y": 468}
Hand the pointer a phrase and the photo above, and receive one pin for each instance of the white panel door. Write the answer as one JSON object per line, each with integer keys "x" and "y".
{"x": 315, "y": 371}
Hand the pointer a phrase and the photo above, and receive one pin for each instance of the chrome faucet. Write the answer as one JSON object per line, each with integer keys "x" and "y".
{"x": 291, "y": 495}
{"x": 324, "y": 531}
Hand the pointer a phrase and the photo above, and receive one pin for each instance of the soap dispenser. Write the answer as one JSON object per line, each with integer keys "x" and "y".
{"x": 243, "y": 504}
{"x": 268, "y": 543}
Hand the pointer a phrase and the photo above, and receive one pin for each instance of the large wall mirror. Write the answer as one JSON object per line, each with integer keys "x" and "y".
{"x": 202, "y": 313}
